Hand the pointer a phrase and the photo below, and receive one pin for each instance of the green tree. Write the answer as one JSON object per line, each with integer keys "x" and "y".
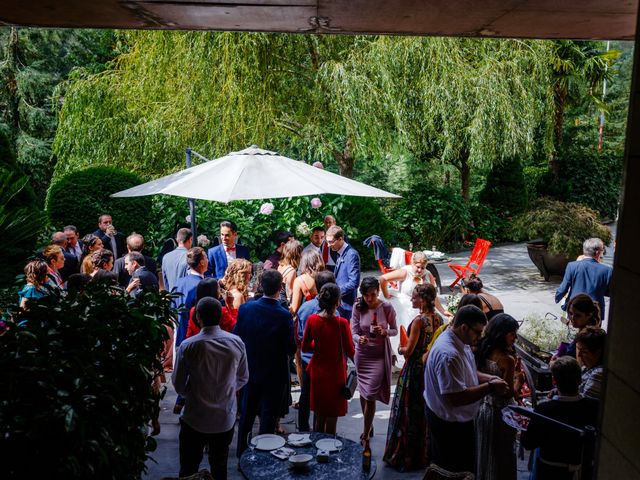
{"x": 33, "y": 63}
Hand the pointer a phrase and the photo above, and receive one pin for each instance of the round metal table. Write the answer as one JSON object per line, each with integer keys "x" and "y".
{"x": 346, "y": 464}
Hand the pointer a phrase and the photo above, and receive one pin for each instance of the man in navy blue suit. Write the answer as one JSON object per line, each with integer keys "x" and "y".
{"x": 347, "y": 270}
{"x": 186, "y": 286}
{"x": 220, "y": 255}
{"x": 587, "y": 275}
{"x": 266, "y": 328}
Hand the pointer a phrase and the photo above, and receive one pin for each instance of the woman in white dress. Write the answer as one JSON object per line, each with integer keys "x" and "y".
{"x": 409, "y": 276}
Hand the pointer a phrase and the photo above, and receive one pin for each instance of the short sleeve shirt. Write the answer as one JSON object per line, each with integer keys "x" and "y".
{"x": 450, "y": 368}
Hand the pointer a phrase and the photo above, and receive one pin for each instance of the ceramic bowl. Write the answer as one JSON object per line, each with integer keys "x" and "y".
{"x": 301, "y": 460}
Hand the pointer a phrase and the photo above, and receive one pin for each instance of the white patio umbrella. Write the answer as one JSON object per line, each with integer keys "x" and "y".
{"x": 253, "y": 174}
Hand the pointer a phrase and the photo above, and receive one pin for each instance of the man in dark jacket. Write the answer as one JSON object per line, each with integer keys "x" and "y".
{"x": 559, "y": 452}
{"x": 141, "y": 278}
{"x": 135, "y": 243}
{"x": 266, "y": 328}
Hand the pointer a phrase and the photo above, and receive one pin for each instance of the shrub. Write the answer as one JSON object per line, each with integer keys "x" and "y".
{"x": 79, "y": 197}
{"x": 428, "y": 215}
{"x": 562, "y": 226}
{"x": 359, "y": 217}
{"x": 506, "y": 189}
{"x": 489, "y": 223}
{"x": 76, "y": 384}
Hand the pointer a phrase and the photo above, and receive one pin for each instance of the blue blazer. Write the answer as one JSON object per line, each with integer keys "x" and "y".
{"x": 266, "y": 328}
{"x": 586, "y": 276}
{"x": 347, "y": 274}
{"x": 218, "y": 259}
{"x": 186, "y": 287}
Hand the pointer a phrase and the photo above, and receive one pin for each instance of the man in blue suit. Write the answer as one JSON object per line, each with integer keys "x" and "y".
{"x": 587, "y": 275}
{"x": 266, "y": 328}
{"x": 347, "y": 270}
{"x": 220, "y": 255}
{"x": 186, "y": 286}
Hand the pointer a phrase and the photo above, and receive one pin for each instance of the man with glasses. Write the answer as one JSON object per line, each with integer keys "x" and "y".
{"x": 221, "y": 255}
{"x": 347, "y": 270}
{"x": 453, "y": 389}
{"x": 587, "y": 275}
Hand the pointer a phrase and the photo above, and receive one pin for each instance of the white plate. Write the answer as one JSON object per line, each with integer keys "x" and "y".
{"x": 328, "y": 444}
{"x": 299, "y": 439}
{"x": 267, "y": 442}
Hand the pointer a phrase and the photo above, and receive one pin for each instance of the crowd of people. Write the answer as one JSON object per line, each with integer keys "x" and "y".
{"x": 242, "y": 330}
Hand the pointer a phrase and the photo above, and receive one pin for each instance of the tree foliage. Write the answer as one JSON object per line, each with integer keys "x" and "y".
{"x": 331, "y": 98}
{"x": 33, "y": 63}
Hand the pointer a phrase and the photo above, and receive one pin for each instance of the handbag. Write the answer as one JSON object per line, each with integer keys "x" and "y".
{"x": 351, "y": 382}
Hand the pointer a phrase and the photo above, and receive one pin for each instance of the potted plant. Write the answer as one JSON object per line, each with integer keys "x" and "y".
{"x": 556, "y": 231}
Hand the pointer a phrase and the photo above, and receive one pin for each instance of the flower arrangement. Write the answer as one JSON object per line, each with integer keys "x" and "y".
{"x": 203, "y": 241}
{"x": 453, "y": 301}
{"x": 303, "y": 229}
{"x": 266, "y": 208}
{"x": 318, "y": 165}
{"x": 316, "y": 203}
{"x": 547, "y": 333}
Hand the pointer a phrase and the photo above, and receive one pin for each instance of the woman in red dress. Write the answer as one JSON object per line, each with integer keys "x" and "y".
{"x": 329, "y": 337}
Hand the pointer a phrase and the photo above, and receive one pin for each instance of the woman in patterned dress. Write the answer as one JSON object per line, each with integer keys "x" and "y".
{"x": 407, "y": 447}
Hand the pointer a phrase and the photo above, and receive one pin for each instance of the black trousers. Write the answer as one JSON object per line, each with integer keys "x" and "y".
{"x": 192, "y": 444}
{"x": 264, "y": 401}
{"x": 453, "y": 444}
{"x": 304, "y": 402}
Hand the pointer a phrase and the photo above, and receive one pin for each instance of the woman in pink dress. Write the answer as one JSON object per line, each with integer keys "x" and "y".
{"x": 328, "y": 336}
{"x": 372, "y": 323}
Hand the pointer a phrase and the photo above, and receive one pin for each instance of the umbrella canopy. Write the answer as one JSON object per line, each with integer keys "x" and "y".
{"x": 253, "y": 174}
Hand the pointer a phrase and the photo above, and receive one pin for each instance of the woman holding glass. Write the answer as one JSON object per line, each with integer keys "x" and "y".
{"x": 372, "y": 323}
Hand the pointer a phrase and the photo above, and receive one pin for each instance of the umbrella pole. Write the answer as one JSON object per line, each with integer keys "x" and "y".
{"x": 192, "y": 205}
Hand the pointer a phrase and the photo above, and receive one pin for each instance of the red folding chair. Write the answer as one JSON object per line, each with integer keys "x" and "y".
{"x": 474, "y": 264}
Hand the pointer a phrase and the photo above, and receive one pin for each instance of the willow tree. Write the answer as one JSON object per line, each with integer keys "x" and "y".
{"x": 219, "y": 92}
{"x": 470, "y": 103}
{"x": 336, "y": 98}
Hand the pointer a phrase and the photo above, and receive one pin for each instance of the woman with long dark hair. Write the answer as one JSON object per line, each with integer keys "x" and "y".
{"x": 328, "y": 337}
{"x": 90, "y": 244}
{"x": 372, "y": 323}
{"x": 407, "y": 447}
{"x": 583, "y": 312}
{"x": 495, "y": 452}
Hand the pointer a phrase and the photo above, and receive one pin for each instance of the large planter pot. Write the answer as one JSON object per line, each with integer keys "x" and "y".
{"x": 548, "y": 264}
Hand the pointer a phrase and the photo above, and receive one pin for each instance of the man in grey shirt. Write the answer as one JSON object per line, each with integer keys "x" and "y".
{"x": 210, "y": 368}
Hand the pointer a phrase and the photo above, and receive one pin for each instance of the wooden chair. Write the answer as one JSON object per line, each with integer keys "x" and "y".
{"x": 474, "y": 264}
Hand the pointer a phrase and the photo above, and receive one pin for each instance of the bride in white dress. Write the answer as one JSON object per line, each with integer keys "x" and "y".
{"x": 409, "y": 276}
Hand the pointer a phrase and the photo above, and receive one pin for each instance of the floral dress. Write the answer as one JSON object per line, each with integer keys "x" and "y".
{"x": 407, "y": 447}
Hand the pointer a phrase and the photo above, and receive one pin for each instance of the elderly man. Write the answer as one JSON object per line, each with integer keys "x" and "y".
{"x": 135, "y": 243}
{"x": 587, "y": 275}
{"x": 140, "y": 277}
{"x": 453, "y": 388}
{"x": 347, "y": 270}
{"x": 221, "y": 255}
{"x": 111, "y": 239}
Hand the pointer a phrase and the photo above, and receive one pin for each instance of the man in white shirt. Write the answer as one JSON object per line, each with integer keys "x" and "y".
{"x": 315, "y": 240}
{"x": 210, "y": 368}
{"x": 453, "y": 388}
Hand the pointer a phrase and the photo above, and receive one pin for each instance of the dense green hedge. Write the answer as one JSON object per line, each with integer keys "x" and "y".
{"x": 76, "y": 384}
{"x": 80, "y": 197}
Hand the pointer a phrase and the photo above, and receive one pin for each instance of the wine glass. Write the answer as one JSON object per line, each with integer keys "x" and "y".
{"x": 252, "y": 446}
{"x": 338, "y": 444}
